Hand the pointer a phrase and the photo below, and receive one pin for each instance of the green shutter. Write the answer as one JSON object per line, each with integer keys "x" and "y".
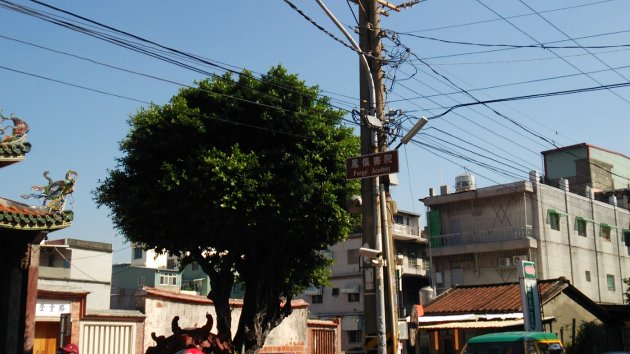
{"x": 435, "y": 228}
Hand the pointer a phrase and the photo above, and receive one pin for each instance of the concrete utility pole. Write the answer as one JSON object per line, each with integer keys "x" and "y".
{"x": 368, "y": 186}
{"x": 374, "y": 225}
{"x": 373, "y": 282}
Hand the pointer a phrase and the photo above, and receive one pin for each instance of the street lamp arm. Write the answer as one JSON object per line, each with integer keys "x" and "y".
{"x": 412, "y": 132}
{"x": 356, "y": 47}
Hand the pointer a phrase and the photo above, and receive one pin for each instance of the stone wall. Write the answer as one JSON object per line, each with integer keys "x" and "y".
{"x": 160, "y": 307}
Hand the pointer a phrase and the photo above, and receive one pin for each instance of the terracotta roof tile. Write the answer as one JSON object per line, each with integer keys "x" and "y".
{"x": 14, "y": 215}
{"x": 491, "y": 298}
{"x": 166, "y": 294}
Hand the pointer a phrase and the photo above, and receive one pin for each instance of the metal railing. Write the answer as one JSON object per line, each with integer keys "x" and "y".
{"x": 406, "y": 229}
{"x": 484, "y": 236}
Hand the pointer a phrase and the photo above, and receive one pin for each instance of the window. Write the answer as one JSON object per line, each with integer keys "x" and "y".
{"x": 335, "y": 291}
{"x": 137, "y": 253}
{"x": 588, "y": 276}
{"x": 353, "y": 297}
{"x": 141, "y": 281}
{"x": 554, "y": 220}
{"x": 413, "y": 259}
{"x": 580, "y": 226}
{"x": 626, "y": 237}
{"x": 170, "y": 263}
{"x": 353, "y": 256}
{"x": 610, "y": 280}
{"x": 604, "y": 231}
{"x": 168, "y": 279}
{"x": 355, "y": 337}
{"x": 194, "y": 266}
{"x": 402, "y": 220}
{"x": 317, "y": 299}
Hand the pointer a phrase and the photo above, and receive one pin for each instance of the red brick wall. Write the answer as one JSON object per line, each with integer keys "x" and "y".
{"x": 298, "y": 348}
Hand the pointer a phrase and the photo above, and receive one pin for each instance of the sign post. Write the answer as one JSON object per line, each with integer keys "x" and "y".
{"x": 530, "y": 300}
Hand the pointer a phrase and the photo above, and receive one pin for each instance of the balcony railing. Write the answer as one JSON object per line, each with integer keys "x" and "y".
{"x": 485, "y": 236}
{"x": 406, "y": 229}
{"x": 416, "y": 266}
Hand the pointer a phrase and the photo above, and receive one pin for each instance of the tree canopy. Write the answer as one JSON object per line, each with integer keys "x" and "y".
{"x": 245, "y": 176}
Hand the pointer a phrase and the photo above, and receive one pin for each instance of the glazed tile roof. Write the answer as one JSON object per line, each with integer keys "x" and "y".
{"x": 491, "y": 298}
{"x": 19, "y": 216}
{"x": 14, "y": 152}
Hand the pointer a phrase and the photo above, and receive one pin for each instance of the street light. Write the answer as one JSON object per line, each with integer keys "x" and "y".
{"x": 412, "y": 132}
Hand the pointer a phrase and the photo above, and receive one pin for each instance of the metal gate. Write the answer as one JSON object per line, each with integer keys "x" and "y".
{"x": 323, "y": 337}
{"x": 107, "y": 338}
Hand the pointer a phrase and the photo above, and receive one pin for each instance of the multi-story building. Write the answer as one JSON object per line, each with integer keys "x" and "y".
{"x": 344, "y": 297}
{"x": 477, "y": 236}
{"x": 147, "y": 268}
{"x": 72, "y": 264}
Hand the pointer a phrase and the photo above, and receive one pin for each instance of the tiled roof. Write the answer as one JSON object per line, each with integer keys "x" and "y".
{"x": 165, "y": 294}
{"x": 491, "y": 298}
{"x": 14, "y": 215}
{"x": 14, "y": 152}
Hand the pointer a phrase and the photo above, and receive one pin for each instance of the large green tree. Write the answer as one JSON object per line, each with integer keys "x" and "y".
{"x": 245, "y": 176}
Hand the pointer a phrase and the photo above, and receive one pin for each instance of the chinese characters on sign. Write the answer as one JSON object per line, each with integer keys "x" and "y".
{"x": 52, "y": 309}
{"x": 382, "y": 163}
{"x": 530, "y": 299}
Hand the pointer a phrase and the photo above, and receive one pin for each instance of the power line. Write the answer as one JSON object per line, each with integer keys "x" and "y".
{"x": 552, "y": 51}
{"x": 156, "y": 52}
{"x": 512, "y": 61}
{"x": 485, "y": 88}
{"x": 520, "y": 46}
{"x": 508, "y": 17}
{"x": 199, "y": 115}
{"x": 533, "y": 96}
{"x": 585, "y": 48}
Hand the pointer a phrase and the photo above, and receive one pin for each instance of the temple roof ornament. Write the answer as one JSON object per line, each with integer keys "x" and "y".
{"x": 54, "y": 194}
{"x": 13, "y": 144}
{"x": 18, "y": 131}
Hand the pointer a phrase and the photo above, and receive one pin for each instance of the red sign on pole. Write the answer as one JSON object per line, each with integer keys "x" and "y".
{"x": 382, "y": 163}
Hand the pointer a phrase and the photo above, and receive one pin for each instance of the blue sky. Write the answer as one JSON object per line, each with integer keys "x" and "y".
{"x": 64, "y": 84}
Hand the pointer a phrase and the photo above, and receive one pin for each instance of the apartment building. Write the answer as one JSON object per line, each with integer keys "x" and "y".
{"x": 477, "y": 236}
{"x": 73, "y": 264}
{"x": 344, "y": 297}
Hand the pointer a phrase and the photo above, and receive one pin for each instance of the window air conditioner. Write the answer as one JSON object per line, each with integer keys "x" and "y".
{"x": 505, "y": 262}
{"x": 517, "y": 259}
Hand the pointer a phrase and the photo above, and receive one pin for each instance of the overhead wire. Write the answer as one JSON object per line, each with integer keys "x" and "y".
{"x": 196, "y": 114}
{"x": 496, "y": 147}
{"x": 502, "y": 115}
{"x": 579, "y": 207}
{"x": 140, "y": 48}
{"x": 509, "y": 17}
{"x": 513, "y": 61}
{"x": 523, "y": 46}
{"x": 486, "y": 88}
{"x": 551, "y": 50}
{"x": 585, "y": 48}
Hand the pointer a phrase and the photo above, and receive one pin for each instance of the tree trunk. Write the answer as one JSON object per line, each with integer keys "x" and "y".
{"x": 263, "y": 308}
{"x": 221, "y": 283}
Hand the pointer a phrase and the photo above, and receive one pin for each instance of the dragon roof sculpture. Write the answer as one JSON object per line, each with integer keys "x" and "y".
{"x": 54, "y": 194}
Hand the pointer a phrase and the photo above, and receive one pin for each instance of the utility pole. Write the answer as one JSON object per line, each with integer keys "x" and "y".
{"x": 375, "y": 226}
{"x": 374, "y": 191}
{"x": 368, "y": 185}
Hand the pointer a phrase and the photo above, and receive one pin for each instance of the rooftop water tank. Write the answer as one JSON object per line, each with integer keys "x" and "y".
{"x": 465, "y": 182}
{"x": 426, "y": 295}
